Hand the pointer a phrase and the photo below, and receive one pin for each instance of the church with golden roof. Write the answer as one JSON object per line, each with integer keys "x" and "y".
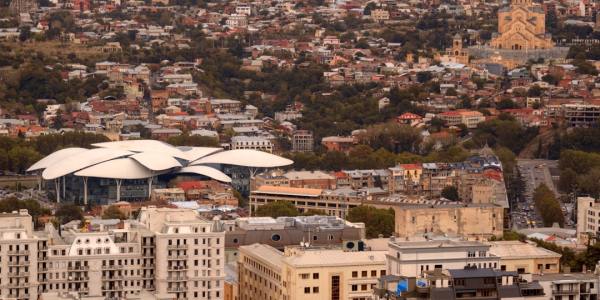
{"x": 522, "y": 26}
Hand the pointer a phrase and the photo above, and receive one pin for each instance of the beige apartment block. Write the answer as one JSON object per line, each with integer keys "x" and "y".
{"x": 521, "y": 257}
{"x": 169, "y": 253}
{"x": 308, "y": 273}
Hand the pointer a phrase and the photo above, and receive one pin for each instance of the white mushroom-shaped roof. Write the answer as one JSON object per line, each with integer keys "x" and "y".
{"x": 139, "y": 159}
{"x": 82, "y": 160}
{"x": 195, "y": 153}
{"x": 156, "y": 161}
{"x": 55, "y": 157}
{"x": 206, "y": 171}
{"x": 245, "y": 158}
{"x": 134, "y": 170}
{"x": 144, "y": 146}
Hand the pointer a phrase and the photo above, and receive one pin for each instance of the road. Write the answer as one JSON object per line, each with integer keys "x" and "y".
{"x": 534, "y": 172}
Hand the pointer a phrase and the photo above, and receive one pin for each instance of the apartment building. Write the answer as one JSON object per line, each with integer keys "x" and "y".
{"x": 570, "y": 286}
{"x": 467, "y": 117}
{"x": 522, "y": 257}
{"x": 588, "y": 220}
{"x": 252, "y": 142}
{"x": 334, "y": 203}
{"x": 170, "y": 253}
{"x": 308, "y": 273}
{"x": 290, "y": 231}
{"x": 413, "y": 258}
{"x": 302, "y": 141}
{"x": 581, "y": 114}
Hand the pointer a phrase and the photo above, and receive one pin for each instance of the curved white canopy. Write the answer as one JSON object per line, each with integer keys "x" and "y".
{"x": 245, "y": 158}
{"x": 144, "y": 146}
{"x": 55, "y": 157}
{"x": 156, "y": 161}
{"x": 194, "y": 153}
{"x": 82, "y": 160}
{"x": 114, "y": 169}
{"x": 206, "y": 171}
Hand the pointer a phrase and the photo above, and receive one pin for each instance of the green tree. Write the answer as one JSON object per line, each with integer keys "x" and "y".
{"x": 68, "y": 212}
{"x": 193, "y": 140}
{"x": 548, "y": 206}
{"x": 277, "y": 209}
{"x": 113, "y": 212}
{"x": 377, "y": 221}
{"x": 450, "y": 192}
{"x": 568, "y": 180}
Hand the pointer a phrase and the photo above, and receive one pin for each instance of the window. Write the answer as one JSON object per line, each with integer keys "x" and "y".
{"x": 354, "y": 274}
{"x": 354, "y": 287}
{"x": 315, "y": 275}
{"x": 307, "y": 290}
{"x": 363, "y": 287}
{"x": 276, "y": 237}
{"x": 364, "y": 273}
{"x": 304, "y": 275}
{"x": 471, "y": 254}
{"x": 374, "y": 273}
{"x": 315, "y": 289}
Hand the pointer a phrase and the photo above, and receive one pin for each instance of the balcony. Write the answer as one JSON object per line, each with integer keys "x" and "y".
{"x": 178, "y": 289}
{"x": 80, "y": 279}
{"x": 78, "y": 268}
{"x": 148, "y": 276}
{"x": 564, "y": 292}
{"x": 112, "y": 288}
{"x": 177, "y": 257}
{"x": 177, "y": 247}
{"x": 18, "y": 263}
{"x": 19, "y": 274}
{"x": 18, "y": 252}
{"x": 177, "y": 268}
{"x": 112, "y": 267}
{"x": 177, "y": 278}
{"x": 149, "y": 287}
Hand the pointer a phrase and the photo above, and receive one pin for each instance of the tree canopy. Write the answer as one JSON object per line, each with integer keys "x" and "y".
{"x": 377, "y": 221}
{"x": 548, "y": 206}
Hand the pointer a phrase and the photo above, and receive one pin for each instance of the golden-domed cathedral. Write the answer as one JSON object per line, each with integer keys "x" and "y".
{"x": 522, "y": 26}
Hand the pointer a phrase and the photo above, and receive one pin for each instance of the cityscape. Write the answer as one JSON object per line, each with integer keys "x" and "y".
{"x": 299, "y": 150}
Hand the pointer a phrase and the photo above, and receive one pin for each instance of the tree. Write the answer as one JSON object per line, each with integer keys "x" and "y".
{"x": 548, "y": 206}
{"x": 423, "y": 77}
{"x": 450, "y": 192}
{"x": 277, "y": 209}
{"x": 113, "y": 212}
{"x": 568, "y": 180}
{"x": 68, "y": 212}
{"x": 193, "y": 140}
{"x": 377, "y": 221}
{"x": 24, "y": 33}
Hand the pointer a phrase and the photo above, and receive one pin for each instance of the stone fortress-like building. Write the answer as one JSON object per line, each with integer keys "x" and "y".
{"x": 522, "y": 27}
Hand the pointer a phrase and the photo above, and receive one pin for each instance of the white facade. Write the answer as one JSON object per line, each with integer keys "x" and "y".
{"x": 165, "y": 252}
{"x": 413, "y": 258}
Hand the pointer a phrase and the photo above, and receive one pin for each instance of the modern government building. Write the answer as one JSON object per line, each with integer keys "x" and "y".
{"x": 129, "y": 170}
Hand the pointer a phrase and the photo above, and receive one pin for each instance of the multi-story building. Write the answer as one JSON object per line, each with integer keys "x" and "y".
{"x": 469, "y": 220}
{"x": 570, "y": 286}
{"x": 171, "y": 253}
{"x": 251, "y": 142}
{"x": 581, "y": 114}
{"x": 413, "y": 258}
{"x": 588, "y": 220}
{"x": 302, "y": 141}
{"x": 308, "y": 273}
{"x": 521, "y": 257}
{"x": 290, "y": 231}
{"x": 467, "y": 283}
{"x": 310, "y": 179}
